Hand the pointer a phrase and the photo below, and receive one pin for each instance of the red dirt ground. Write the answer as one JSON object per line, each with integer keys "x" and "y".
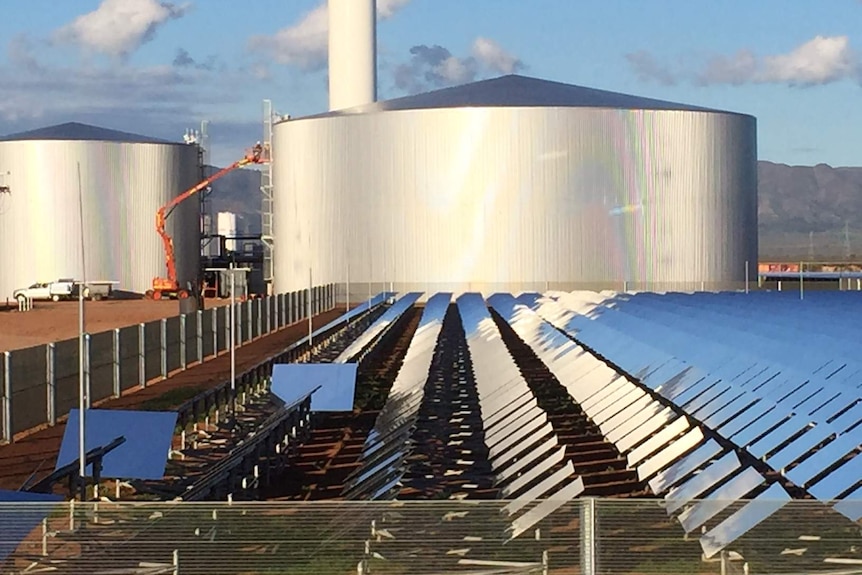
{"x": 49, "y": 321}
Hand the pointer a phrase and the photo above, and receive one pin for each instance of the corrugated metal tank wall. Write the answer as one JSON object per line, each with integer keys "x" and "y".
{"x": 123, "y": 185}
{"x": 517, "y": 198}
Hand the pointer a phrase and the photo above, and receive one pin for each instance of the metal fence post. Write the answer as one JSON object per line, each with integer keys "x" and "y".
{"x": 50, "y": 379}
{"x": 226, "y": 327}
{"x": 163, "y": 346}
{"x": 183, "y": 341}
{"x": 260, "y": 312}
{"x": 87, "y": 370}
{"x": 268, "y": 309}
{"x": 116, "y": 349}
{"x": 7, "y": 397}
{"x": 589, "y": 542}
{"x": 142, "y": 355}
{"x": 237, "y": 317}
{"x": 248, "y": 317}
{"x": 288, "y": 298}
{"x": 215, "y": 331}
{"x": 199, "y": 334}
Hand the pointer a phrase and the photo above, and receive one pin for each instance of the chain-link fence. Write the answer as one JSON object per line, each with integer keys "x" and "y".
{"x": 590, "y": 536}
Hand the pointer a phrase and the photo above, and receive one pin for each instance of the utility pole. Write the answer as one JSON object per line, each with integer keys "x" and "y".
{"x": 83, "y": 392}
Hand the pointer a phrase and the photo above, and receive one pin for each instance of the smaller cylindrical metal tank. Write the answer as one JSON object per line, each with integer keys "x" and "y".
{"x": 76, "y": 180}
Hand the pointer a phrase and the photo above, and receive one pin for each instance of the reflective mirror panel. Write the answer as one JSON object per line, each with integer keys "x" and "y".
{"x": 744, "y": 520}
{"x": 143, "y": 455}
{"x": 737, "y": 488}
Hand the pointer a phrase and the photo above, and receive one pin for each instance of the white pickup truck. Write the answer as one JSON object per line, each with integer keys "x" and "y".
{"x": 55, "y": 291}
{"x": 65, "y": 289}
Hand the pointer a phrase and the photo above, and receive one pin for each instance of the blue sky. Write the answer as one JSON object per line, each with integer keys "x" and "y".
{"x": 159, "y": 67}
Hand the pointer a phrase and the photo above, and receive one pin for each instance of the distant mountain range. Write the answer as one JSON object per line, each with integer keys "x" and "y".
{"x": 809, "y": 212}
{"x": 237, "y": 192}
{"x": 805, "y": 212}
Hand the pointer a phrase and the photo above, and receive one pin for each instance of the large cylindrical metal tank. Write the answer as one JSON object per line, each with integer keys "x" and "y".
{"x": 352, "y": 53}
{"x": 124, "y": 179}
{"x": 517, "y": 184}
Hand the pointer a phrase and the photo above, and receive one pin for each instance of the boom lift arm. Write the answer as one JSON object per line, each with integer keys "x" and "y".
{"x": 169, "y": 287}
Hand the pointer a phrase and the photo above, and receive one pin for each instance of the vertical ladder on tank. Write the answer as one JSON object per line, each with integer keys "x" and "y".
{"x": 207, "y": 216}
{"x": 266, "y": 200}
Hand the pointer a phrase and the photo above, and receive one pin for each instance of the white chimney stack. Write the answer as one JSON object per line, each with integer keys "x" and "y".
{"x": 352, "y": 53}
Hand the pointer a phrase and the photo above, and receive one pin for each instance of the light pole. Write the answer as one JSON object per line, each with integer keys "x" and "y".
{"x": 233, "y": 338}
{"x": 82, "y": 390}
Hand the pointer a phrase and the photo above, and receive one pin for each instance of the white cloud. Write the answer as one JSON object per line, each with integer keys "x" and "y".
{"x": 388, "y": 8}
{"x": 454, "y": 70}
{"x": 157, "y": 100}
{"x": 647, "y": 68}
{"x": 741, "y": 68}
{"x": 490, "y": 54}
{"x": 21, "y": 53}
{"x": 821, "y": 60}
{"x": 304, "y": 44}
{"x": 160, "y": 101}
{"x": 432, "y": 67}
{"x": 119, "y": 27}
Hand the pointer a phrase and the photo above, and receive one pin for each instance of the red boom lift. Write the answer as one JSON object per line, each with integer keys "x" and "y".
{"x": 169, "y": 287}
